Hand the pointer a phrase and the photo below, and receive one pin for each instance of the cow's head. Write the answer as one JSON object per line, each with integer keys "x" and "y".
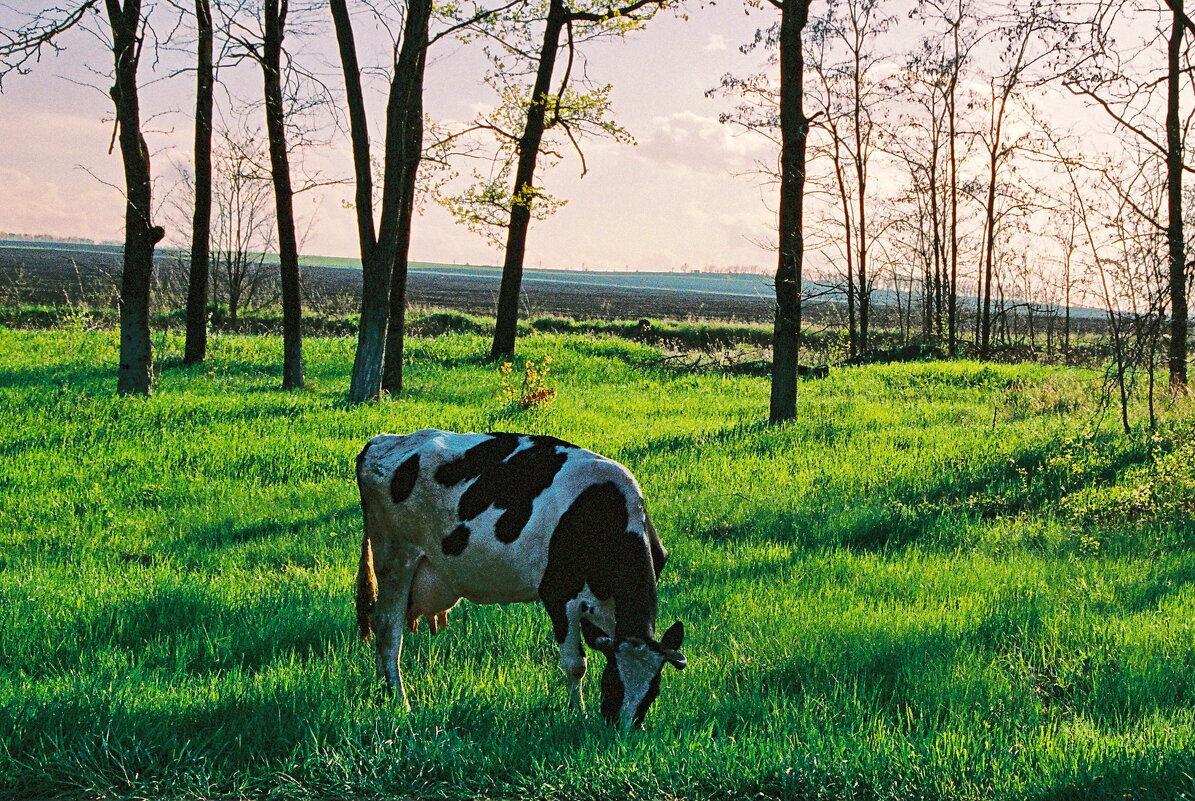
{"x": 631, "y": 680}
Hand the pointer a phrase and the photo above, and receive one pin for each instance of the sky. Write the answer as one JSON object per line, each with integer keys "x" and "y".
{"x": 676, "y": 199}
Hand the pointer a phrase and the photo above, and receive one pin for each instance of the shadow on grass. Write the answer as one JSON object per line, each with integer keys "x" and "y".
{"x": 232, "y": 532}
{"x": 192, "y": 631}
{"x": 1140, "y": 778}
{"x": 61, "y": 377}
{"x": 896, "y": 514}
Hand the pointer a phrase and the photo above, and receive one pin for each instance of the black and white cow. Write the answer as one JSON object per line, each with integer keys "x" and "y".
{"x": 511, "y": 518}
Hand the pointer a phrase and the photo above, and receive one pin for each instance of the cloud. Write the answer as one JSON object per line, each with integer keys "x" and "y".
{"x": 700, "y": 143}
{"x": 715, "y": 43}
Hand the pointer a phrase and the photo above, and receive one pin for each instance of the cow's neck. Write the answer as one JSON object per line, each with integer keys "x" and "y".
{"x": 635, "y": 613}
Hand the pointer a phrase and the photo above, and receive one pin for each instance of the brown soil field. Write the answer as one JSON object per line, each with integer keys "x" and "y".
{"x": 56, "y": 274}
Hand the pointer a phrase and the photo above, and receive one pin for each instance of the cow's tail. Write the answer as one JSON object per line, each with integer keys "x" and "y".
{"x": 367, "y": 588}
{"x": 367, "y": 580}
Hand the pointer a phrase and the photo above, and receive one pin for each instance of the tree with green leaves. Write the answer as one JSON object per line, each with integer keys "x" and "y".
{"x": 377, "y": 365}
{"x": 529, "y": 123}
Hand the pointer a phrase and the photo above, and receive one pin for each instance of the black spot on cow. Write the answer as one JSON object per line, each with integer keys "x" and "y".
{"x": 454, "y": 544}
{"x": 476, "y": 460}
{"x": 612, "y": 691}
{"x": 507, "y": 478}
{"x": 591, "y": 545}
{"x": 402, "y": 483}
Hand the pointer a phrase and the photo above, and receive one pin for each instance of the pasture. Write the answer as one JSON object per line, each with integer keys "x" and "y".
{"x": 944, "y": 581}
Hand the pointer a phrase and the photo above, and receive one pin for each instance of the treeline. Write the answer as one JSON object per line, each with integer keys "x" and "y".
{"x": 74, "y": 240}
{"x": 993, "y": 165}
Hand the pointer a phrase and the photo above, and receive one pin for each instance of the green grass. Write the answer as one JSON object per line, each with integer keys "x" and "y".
{"x": 944, "y": 581}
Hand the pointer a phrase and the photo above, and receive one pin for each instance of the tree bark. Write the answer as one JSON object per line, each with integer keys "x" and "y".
{"x": 861, "y": 214}
{"x": 951, "y": 99}
{"x": 989, "y": 251}
{"x": 520, "y": 210}
{"x": 794, "y": 133}
{"x": 195, "y": 349}
{"x": 366, "y": 381}
{"x": 404, "y": 150}
{"x": 288, "y": 247}
{"x": 141, "y": 235}
{"x": 1174, "y": 203}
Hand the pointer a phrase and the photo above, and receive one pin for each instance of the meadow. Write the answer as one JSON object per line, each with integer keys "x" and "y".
{"x": 945, "y": 580}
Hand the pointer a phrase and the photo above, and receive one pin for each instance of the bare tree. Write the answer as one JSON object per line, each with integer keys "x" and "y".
{"x": 244, "y": 226}
{"x": 195, "y": 349}
{"x": 265, "y": 47}
{"x": 950, "y": 56}
{"x": 844, "y": 41}
{"x": 1125, "y": 82}
{"x": 1033, "y": 38}
{"x": 128, "y": 29}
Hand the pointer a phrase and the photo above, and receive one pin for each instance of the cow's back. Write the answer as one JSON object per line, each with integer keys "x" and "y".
{"x": 483, "y": 508}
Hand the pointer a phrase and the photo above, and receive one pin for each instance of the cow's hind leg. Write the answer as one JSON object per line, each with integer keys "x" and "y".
{"x": 389, "y": 616}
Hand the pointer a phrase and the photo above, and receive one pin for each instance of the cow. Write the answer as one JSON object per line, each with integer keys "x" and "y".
{"x": 513, "y": 518}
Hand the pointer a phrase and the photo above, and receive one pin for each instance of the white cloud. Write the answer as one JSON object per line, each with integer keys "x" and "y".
{"x": 715, "y": 43}
{"x": 700, "y": 143}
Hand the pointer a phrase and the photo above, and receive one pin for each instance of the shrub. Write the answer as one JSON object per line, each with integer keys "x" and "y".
{"x": 533, "y": 391}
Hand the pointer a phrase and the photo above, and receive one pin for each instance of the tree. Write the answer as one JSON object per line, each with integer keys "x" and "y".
{"x": 1176, "y": 245}
{"x": 952, "y": 63}
{"x": 366, "y": 380}
{"x": 794, "y": 134}
{"x": 195, "y": 349}
{"x": 244, "y": 226}
{"x": 378, "y": 361}
{"x": 127, "y": 28}
{"x": 1123, "y": 82}
{"x": 844, "y": 41}
{"x": 377, "y": 364}
{"x": 265, "y": 47}
{"x": 776, "y": 110}
{"x": 1032, "y": 37}
{"x": 572, "y": 111}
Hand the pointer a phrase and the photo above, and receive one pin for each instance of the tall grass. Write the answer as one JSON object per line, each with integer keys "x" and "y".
{"x": 944, "y": 581}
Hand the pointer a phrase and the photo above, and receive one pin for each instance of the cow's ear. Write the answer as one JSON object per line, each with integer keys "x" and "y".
{"x": 670, "y": 642}
{"x": 675, "y": 635}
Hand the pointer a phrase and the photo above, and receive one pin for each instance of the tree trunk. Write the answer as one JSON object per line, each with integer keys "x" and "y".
{"x": 524, "y": 191}
{"x": 404, "y": 149}
{"x": 140, "y": 234}
{"x": 989, "y": 251}
{"x": 933, "y": 316}
{"x": 861, "y": 214}
{"x": 848, "y": 249}
{"x": 794, "y": 132}
{"x": 951, "y": 100}
{"x": 288, "y": 245}
{"x": 195, "y": 349}
{"x": 366, "y": 381}
{"x": 1174, "y": 204}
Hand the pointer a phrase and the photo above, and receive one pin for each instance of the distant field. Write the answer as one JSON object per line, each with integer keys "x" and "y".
{"x": 54, "y": 272}
{"x": 945, "y": 581}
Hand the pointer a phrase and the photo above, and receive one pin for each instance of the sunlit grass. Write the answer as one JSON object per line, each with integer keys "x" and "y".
{"x": 945, "y": 580}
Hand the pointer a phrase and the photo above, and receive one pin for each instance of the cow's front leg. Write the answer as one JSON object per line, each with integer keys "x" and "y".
{"x": 389, "y": 617}
{"x": 572, "y": 654}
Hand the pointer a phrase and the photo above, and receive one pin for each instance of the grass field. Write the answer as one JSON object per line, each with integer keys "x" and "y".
{"x": 945, "y": 581}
